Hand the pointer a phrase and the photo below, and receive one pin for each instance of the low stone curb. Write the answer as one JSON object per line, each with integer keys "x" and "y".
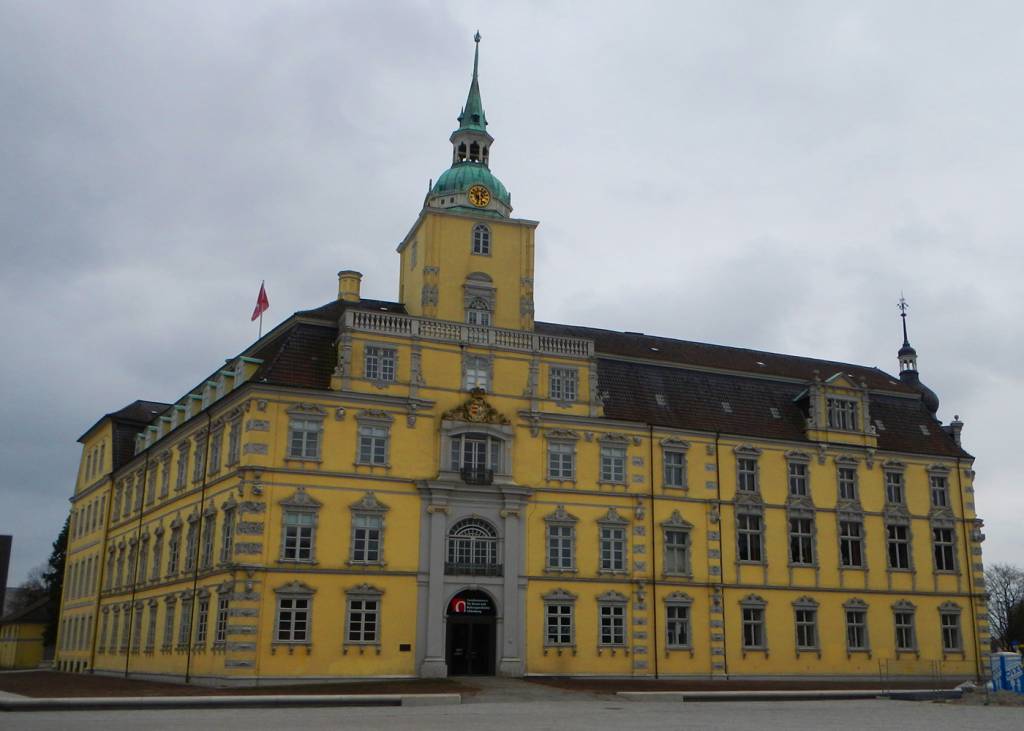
{"x": 227, "y": 701}
{"x": 678, "y": 696}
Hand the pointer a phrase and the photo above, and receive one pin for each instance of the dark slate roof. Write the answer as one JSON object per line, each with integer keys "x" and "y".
{"x": 333, "y": 310}
{"x": 304, "y": 356}
{"x": 137, "y": 412}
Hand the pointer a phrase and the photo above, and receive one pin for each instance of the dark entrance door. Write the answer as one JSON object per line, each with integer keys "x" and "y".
{"x": 470, "y": 635}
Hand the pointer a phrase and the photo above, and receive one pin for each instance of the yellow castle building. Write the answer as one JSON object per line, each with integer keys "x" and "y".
{"x": 442, "y": 485}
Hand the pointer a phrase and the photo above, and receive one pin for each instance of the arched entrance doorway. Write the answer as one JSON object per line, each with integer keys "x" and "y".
{"x": 470, "y": 635}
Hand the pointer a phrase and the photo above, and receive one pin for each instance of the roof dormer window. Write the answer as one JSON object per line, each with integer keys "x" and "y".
{"x": 842, "y": 414}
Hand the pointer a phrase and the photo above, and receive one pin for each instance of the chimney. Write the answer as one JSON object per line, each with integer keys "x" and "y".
{"x": 955, "y": 427}
{"x": 348, "y": 285}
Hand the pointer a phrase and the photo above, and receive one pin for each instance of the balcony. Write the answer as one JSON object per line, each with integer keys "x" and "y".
{"x": 477, "y": 475}
{"x": 472, "y": 569}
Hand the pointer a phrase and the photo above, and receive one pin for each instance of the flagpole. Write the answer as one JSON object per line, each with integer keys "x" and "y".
{"x": 261, "y": 327}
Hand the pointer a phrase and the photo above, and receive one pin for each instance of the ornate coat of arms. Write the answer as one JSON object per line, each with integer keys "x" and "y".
{"x": 477, "y": 410}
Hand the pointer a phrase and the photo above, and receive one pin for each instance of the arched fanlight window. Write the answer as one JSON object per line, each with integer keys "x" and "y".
{"x": 481, "y": 240}
{"x": 472, "y": 547}
{"x": 478, "y": 313}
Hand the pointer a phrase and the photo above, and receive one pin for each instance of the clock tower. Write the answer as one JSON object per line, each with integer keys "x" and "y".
{"x": 466, "y": 259}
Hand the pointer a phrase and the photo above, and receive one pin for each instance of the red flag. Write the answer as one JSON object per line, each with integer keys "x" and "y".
{"x": 262, "y": 302}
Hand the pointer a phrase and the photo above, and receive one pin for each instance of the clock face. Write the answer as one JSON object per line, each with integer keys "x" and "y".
{"x": 479, "y": 196}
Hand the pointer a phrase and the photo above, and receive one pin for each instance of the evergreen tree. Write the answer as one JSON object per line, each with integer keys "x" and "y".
{"x": 53, "y": 579}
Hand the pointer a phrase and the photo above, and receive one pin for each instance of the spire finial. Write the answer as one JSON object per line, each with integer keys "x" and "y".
{"x": 903, "y": 306}
{"x": 476, "y": 54}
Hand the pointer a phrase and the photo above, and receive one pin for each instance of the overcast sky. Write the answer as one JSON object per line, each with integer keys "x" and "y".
{"x": 768, "y": 175}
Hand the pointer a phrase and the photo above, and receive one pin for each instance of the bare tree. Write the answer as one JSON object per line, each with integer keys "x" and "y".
{"x": 1005, "y": 585}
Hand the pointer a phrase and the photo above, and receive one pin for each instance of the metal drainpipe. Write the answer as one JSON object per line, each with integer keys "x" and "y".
{"x": 199, "y": 545}
{"x": 970, "y": 576}
{"x": 721, "y": 574}
{"x": 135, "y": 569}
{"x": 100, "y": 574}
{"x": 654, "y": 547}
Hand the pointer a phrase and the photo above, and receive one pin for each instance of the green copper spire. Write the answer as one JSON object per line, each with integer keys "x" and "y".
{"x": 472, "y": 116}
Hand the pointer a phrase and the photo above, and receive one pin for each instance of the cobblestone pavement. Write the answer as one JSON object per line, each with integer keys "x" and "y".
{"x": 572, "y": 712}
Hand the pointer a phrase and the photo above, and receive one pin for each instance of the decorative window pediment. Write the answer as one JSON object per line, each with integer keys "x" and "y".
{"x": 307, "y": 410}
{"x": 295, "y": 587}
{"x": 678, "y": 597}
{"x": 612, "y": 517}
{"x": 747, "y": 450}
{"x": 562, "y": 434}
{"x": 301, "y": 499}
{"x": 369, "y": 503}
{"x": 678, "y": 445}
{"x": 676, "y": 520}
{"x": 893, "y": 465}
{"x": 614, "y": 438}
{"x": 560, "y": 516}
{"x": 559, "y": 595}
{"x": 797, "y": 456}
{"x": 377, "y": 415}
{"x": 855, "y": 603}
{"x": 612, "y": 597}
{"x": 753, "y": 601}
{"x": 806, "y": 602}
{"x": 903, "y": 606}
{"x": 176, "y": 523}
{"x": 364, "y": 589}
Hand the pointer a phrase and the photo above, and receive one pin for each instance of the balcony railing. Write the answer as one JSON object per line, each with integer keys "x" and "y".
{"x": 473, "y": 569}
{"x": 390, "y": 323}
{"x": 477, "y": 475}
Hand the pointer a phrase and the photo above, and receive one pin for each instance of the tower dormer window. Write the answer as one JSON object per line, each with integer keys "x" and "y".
{"x": 481, "y": 240}
{"x": 474, "y": 148}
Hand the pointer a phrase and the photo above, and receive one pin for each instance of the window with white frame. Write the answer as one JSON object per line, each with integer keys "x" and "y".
{"x": 198, "y": 457}
{"x": 293, "y": 617}
{"x": 677, "y": 622}
{"x": 612, "y": 548}
{"x": 752, "y": 609}
{"x": 136, "y": 641}
{"x": 299, "y": 528}
{"x": 165, "y": 474}
{"x": 191, "y": 542}
{"x": 677, "y": 551}
{"x": 182, "y": 478}
{"x": 746, "y": 474}
{"x": 613, "y": 463}
{"x": 842, "y": 414}
{"x": 847, "y": 478}
{"x": 115, "y": 623}
{"x": 801, "y": 540}
{"x": 894, "y": 489}
{"x": 304, "y": 437}
{"x": 185, "y": 625}
{"x": 216, "y": 443}
{"x": 363, "y": 616}
{"x": 898, "y": 545}
{"x": 169, "y": 608}
{"x": 478, "y": 313}
{"x": 939, "y": 490}
{"x": 476, "y": 372}
{"x": 851, "y": 544}
{"x": 476, "y": 451}
{"x": 158, "y": 549}
{"x": 749, "y": 529}
{"x": 559, "y": 606}
{"x": 173, "y": 550}
{"x": 373, "y": 444}
{"x": 227, "y": 535}
{"x": 220, "y": 628}
{"x": 379, "y": 363}
{"x": 472, "y": 547}
{"x": 561, "y": 460}
{"x": 366, "y": 535}
{"x": 798, "y": 479}
{"x": 563, "y": 383}
{"x": 949, "y": 624}
{"x": 611, "y": 619}
{"x": 674, "y": 467}
{"x": 561, "y": 541}
{"x": 202, "y": 621}
{"x": 805, "y": 611}
{"x": 151, "y": 626}
{"x": 235, "y": 442}
{"x": 856, "y": 612}
{"x": 481, "y": 240}
{"x": 944, "y": 548}
{"x": 903, "y": 620}
{"x": 209, "y": 529}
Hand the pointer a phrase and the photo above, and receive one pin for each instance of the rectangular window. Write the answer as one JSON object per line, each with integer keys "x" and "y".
{"x": 677, "y": 548}
{"x": 613, "y": 549}
{"x": 798, "y": 479}
{"x": 894, "y": 493}
{"x": 182, "y": 478}
{"x": 298, "y": 536}
{"x": 940, "y": 491}
{"x": 227, "y": 536}
{"x": 173, "y": 551}
{"x": 905, "y": 640}
{"x": 613, "y": 624}
{"x": 165, "y": 477}
{"x": 234, "y": 442}
{"x": 856, "y": 629}
{"x": 168, "y": 626}
{"x": 136, "y": 642}
{"x": 847, "y": 483}
{"x": 558, "y": 624}
{"x": 198, "y": 459}
{"x": 304, "y": 438}
{"x": 563, "y": 384}
{"x": 561, "y": 461}
{"x": 613, "y": 464}
{"x": 151, "y": 486}
{"x": 898, "y": 540}
{"x": 746, "y": 474}
{"x": 215, "y": 449}
{"x": 220, "y": 630}
{"x": 748, "y": 531}
{"x": 560, "y": 547}
{"x": 185, "y": 625}
{"x": 675, "y": 468}
{"x": 202, "y": 621}
{"x": 806, "y": 629}
{"x": 478, "y": 372}
{"x": 943, "y": 545}
{"x": 292, "y": 619}
{"x": 114, "y": 624}
{"x": 851, "y": 544}
{"x": 677, "y": 625}
{"x": 151, "y": 629}
{"x": 842, "y": 414}
{"x": 191, "y": 544}
{"x": 366, "y": 531}
{"x": 951, "y": 632}
{"x": 373, "y": 444}
{"x": 209, "y": 527}
{"x": 801, "y": 541}
{"x": 363, "y": 619}
{"x": 753, "y": 628}
{"x": 379, "y": 363}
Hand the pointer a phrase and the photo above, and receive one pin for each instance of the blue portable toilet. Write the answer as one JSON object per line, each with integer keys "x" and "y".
{"x": 1007, "y": 672}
